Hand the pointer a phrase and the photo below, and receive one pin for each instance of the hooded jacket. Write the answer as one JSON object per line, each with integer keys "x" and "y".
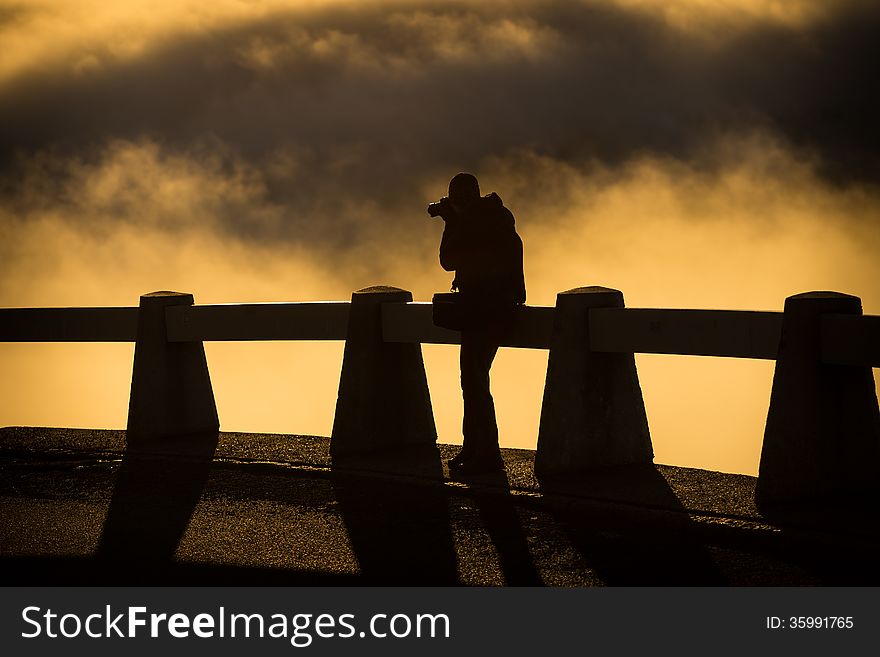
{"x": 481, "y": 245}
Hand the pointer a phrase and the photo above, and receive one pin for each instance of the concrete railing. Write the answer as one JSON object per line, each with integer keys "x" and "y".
{"x": 823, "y": 428}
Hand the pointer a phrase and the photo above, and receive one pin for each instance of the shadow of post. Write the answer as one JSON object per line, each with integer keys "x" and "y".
{"x": 850, "y": 528}
{"x": 156, "y": 491}
{"x": 665, "y": 552}
{"x": 396, "y": 512}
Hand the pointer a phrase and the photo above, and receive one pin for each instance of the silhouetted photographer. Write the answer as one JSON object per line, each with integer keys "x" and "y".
{"x": 481, "y": 245}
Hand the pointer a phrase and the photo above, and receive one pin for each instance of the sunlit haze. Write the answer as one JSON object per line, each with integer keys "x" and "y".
{"x": 714, "y": 155}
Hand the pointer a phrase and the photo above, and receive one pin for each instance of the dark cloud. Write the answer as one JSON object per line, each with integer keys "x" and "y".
{"x": 719, "y": 160}
{"x": 342, "y": 115}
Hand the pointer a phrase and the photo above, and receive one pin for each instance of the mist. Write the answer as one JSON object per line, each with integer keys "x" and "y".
{"x": 691, "y": 158}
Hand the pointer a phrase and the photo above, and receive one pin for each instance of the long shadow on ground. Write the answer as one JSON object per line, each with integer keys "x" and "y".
{"x": 399, "y": 528}
{"x": 665, "y": 554}
{"x": 153, "y": 501}
{"x": 500, "y": 519}
{"x": 833, "y": 562}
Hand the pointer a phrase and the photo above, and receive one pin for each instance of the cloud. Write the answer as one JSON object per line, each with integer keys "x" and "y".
{"x": 690, "y": 155}
{"x": 669, "y": 233}
{"x": 151, "y": 213}
{"x": 330, "y": 125}
{"x": 326, "y": 130}
{"x": 402, "y": 90}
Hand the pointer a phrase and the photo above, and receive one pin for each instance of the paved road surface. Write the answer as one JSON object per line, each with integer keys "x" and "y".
{"x": 259, "y": 509}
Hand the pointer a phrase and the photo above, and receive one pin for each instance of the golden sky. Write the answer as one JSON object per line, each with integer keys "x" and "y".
{"x": 713, "y": 155}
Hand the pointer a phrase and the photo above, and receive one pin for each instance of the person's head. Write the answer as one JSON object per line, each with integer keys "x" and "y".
{"x": 464, "y": 189}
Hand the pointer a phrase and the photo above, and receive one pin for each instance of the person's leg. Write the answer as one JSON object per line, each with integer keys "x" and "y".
{"x": 470, "y": 389}
{"x": 479, "y": 428}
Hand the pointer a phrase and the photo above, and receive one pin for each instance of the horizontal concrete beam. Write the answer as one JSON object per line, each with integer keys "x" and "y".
{"x": 846, "y": 339}
{"x": 413, "y": 322}
{"x": 851, "y": 339}
{"x": 319, "y": 320}
{"x": 68, "y": 324}
{"x": 730, "y": 333}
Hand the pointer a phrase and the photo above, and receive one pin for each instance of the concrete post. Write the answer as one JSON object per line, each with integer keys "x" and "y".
{"x": 171, "y": 391}
{"x": 593, "y": 413}
{"x": 383, "y": 390}
{"x": 823, "y": 428}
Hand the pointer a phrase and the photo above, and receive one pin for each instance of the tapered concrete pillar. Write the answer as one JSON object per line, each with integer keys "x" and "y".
{"x": 593, "y": 414}
{"x": 383, "y": 390}
{"x": 171, "y": 392}
{"x": 823, "y": 428}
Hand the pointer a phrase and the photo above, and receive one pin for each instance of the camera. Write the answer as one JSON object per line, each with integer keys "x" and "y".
{"x": 440, "y": 208}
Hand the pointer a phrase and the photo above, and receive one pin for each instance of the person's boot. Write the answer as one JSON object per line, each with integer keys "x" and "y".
{"x": 459, "y": 459}
{"x": 483, "y": 461}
